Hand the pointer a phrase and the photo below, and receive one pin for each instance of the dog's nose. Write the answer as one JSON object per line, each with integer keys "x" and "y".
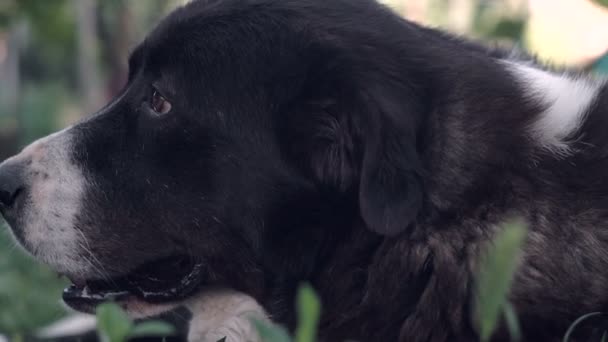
{"x": 11, "y": 182}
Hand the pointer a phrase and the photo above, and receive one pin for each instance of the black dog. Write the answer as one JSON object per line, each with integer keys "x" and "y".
{"x": 262, "y": 143}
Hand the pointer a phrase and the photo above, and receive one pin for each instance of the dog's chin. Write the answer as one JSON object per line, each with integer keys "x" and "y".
{"x": 147, "y": 290}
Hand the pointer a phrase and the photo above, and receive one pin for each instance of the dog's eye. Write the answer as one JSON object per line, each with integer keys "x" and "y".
{"x": 159, "y": 104}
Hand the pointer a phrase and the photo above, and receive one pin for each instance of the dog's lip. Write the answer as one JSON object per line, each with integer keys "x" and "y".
{"x": 142, "y": 284}
{"x": 75, "y": 292}
{"x": 77, "y": 281}
{"x": 83, "y": 300}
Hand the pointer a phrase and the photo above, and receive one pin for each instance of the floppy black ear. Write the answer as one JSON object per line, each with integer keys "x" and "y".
{"x": 321, "y": 141}
{"x": 391, "y": 188}
{"x": 359, "y": 132}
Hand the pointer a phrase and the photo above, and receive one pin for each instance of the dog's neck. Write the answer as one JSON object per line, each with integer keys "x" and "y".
{"x": 483, "y": 132}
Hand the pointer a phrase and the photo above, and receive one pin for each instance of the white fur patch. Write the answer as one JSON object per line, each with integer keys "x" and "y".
{"x": 55, "y": 189}
{"x": 224, "y": 313}
{"x": 566, "y": 99}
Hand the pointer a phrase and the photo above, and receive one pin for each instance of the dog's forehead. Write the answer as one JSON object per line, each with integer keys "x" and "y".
{"x": 179, "y": 49}
{"x": 185, "y": 26}
{"x": 209, "y": 28}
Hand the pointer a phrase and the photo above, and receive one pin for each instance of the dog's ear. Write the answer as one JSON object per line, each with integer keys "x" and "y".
{"x": 391, "y": 185}
{"x": 355, "y": 131}
{"x": 322, "y": 144}
{"x": 364, "y": 141}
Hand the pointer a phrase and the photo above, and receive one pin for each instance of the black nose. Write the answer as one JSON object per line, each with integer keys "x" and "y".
{"x": 11, "y": 182}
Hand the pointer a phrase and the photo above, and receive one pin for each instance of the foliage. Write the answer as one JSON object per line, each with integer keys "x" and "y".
{"x": 28, "y": 291}
{"x": 495, "y": 277}
{"x": 113, "y": 325}
{"x": 309, "y": 310}
{"x": 271, "y": 332}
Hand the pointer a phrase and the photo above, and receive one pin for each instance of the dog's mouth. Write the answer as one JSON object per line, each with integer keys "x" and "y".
{"x": 165, "y": 280}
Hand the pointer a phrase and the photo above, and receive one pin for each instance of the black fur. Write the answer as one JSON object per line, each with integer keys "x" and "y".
{"x": 331, "y": 141}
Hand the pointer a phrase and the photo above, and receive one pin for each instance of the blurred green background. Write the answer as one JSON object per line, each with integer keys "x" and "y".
{"x": 63, "y": 59}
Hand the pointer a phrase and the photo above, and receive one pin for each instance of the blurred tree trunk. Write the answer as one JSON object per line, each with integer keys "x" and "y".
{"x": 10, "y": 79}
{"x": 88, "y": 67}
{"x": 119, "y": 45}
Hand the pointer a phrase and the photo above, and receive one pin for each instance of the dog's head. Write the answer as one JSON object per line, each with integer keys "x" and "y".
{"x": 247, "y": 133}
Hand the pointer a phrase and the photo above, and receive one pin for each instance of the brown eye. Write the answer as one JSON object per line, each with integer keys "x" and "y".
{"x": 159, "y": 104}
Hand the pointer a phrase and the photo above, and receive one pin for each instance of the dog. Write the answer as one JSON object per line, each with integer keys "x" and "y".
{"x": 259, "y": 144}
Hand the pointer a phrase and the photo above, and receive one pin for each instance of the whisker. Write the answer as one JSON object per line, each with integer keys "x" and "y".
{"x": 95, "y": 261}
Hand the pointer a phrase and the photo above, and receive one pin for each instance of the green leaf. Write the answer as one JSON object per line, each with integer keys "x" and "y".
{"x": 604, "y": 336}
{"x": 309, "y": 308}
{"x": 512, "y": 322}
{"x": 270, "y": 332}
{"x": 495, "y": 276}
{"x": 113, "y": 324}
{"x": 152, "y": 329}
